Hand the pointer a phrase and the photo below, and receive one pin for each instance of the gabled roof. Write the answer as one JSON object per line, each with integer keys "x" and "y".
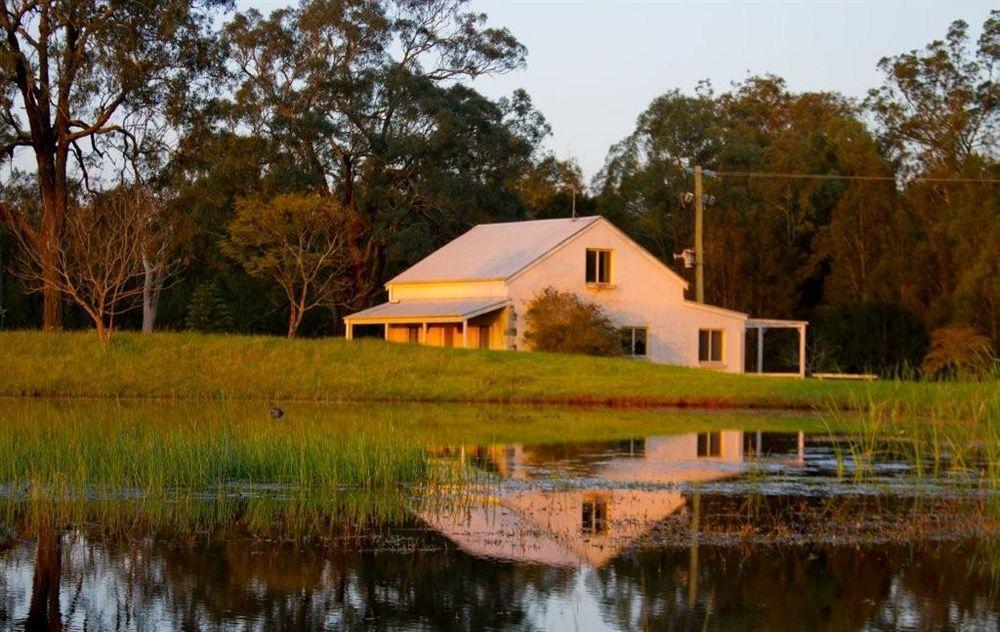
{"x": 490, "y": 252}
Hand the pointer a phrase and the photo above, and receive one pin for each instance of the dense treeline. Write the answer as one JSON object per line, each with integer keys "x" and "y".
{"x": 902, "y": 237}
{"x": 288, "y": 164}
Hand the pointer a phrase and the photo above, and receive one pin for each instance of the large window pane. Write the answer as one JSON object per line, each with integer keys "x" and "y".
{"x": 717, "y": 345}
{"x": 639, "y": 346}
{"x": 591, "y": 266}
{"x": 704, "y": 342}
{"x": 626, "y": 338}
{"x": 604, "y": 267}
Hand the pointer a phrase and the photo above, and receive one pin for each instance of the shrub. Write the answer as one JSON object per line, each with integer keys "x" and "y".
{"x": 959, "y": 351}
{"x": 560, "y": 321}
{"x": 208, "y": 311}
{"x": 866, "y": 338}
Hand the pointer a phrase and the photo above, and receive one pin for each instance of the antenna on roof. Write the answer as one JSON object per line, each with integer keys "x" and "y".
{"x": 574, "y": 203}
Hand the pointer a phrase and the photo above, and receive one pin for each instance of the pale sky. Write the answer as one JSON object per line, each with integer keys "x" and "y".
{"x": 594, "y": 65}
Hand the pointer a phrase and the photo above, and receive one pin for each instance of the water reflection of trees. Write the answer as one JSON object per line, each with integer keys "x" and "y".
{"x": 928, "y": 586}
{"x": 152, "y": 582}
{"x": 422, "y": 581}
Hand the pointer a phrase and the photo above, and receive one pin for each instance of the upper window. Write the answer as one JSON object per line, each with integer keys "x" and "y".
{"x": 594, "y": 517}
{"x": 598, "y": 266}
{"x": 710, "y": 345}
{"x": 634, "y": 341}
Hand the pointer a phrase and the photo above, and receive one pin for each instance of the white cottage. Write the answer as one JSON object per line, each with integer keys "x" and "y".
{"x": 474, "y": 291}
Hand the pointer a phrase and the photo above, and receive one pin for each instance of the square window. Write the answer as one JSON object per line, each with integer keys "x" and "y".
{"x": 594, "y": 517}
{"x": 634, "y": 341}
{"x": 598, "y": 266}
{"x": 710, "y": 345}
{"x": 709, "y": 444}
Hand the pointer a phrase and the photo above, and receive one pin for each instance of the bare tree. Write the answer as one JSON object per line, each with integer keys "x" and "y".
{"x": 99, "y": 260}
{"x": 72, "y": 72}
{"x": 298, "y": 242}
{"x": 160, "y": 259}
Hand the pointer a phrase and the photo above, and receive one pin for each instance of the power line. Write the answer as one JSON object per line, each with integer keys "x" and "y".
{"x": 831, "y": 176}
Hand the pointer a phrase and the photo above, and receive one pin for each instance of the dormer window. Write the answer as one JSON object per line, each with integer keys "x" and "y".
{"x": 598, "y": 266}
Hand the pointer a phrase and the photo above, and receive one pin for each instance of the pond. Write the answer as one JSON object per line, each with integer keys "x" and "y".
{"x": 748, "y": 520}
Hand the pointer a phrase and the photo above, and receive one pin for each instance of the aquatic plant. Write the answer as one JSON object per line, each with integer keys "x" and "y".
{"x": 121, "y": 450}
{"x": 958, "y": 439}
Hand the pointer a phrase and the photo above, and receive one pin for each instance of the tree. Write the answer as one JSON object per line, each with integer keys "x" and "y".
{"x": 98, "y": 260}
{"x": 769, "y": 245}
{"x": 73, "y": 73}
{"x": 938, "y": 111}
{"x": 867, "y": 338}
{"x": 962, "y": 352}
{"x": 208, "y": 311}
{"x": 562, "y": 322}
{"x": 161, "y": 258}
{"x": 550, "y": 187}
{"x": 364, "y": 97}
{"x": 297, "y": 242}
{"x": 939, "y": 106}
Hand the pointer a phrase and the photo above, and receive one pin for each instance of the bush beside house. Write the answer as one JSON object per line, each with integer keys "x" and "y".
{"x": 562, "y": 322}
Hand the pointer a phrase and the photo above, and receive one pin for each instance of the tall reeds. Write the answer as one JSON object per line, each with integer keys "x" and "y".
{"x": 123, "y": 451}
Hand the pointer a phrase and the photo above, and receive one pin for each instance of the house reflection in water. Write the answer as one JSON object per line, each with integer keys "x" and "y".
{"x": 621, "y": 491}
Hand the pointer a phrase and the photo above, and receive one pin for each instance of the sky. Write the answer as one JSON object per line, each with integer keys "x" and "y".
{"x": 594, "y": 65}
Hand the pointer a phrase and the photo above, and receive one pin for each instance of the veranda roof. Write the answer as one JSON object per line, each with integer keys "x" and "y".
{"x": 418, "y": 310}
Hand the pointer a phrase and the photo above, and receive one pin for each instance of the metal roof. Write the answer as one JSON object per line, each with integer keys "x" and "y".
{"x": 494, "y": 251}
{"x": 458, "y": 309}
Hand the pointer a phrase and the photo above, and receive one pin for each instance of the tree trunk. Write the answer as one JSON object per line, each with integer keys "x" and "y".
{"x": 103, "y": 331}
{"x": 295, "y": 313}
{"x": 152, "y": 287}
{"x": 44, "y": 612}
{"x": 54, "y": 195}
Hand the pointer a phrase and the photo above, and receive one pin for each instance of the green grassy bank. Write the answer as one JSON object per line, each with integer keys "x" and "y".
{"x": 193, "y": 366}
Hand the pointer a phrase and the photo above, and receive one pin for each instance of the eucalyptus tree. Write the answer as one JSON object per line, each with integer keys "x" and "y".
{"x": 295, "y": 242}
{"x": 938, "y": 110}
{"x": 769, "y": 244}
{"x": 74, "y": 75}
{"x": 369, "y": 98}
{"x": 941, "y": 105}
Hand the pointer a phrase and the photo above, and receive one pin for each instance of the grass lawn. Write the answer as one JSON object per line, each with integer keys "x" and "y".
{"x": 195, "y": 366}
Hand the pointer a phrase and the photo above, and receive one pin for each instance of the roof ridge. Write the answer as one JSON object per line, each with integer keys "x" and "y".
{"x": 544, "y": 219}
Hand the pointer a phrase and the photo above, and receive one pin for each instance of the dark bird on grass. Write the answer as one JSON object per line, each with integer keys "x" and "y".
{"x": 277, "y": 412}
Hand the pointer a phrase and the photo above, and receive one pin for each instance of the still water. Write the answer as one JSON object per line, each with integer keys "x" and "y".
{"x": 726, "y": 529}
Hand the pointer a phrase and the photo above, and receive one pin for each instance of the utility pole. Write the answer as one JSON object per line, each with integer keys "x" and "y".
{"x": 699, "y": 253}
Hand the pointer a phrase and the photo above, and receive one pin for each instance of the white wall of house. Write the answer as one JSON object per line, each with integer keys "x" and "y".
{"x": 642, "y": 293}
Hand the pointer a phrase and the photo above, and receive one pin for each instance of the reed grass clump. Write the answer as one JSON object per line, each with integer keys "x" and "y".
{"x": 957, "y": 438}
{"x": 122, "y": 451}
